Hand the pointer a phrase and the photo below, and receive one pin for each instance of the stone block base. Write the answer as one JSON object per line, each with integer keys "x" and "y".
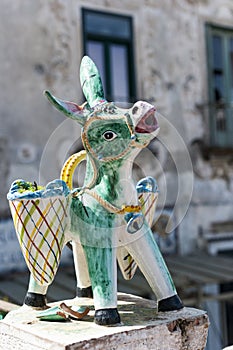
{"x": 141, "y": 328}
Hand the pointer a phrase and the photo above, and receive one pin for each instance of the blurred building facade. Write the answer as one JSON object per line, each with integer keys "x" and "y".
{"x": 177, "y": 55}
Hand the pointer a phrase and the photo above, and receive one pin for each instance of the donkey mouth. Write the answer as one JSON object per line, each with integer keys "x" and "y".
{"x": 148, "y": 123}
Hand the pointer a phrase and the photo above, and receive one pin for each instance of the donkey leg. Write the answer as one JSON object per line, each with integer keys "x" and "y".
{"x": 150, "y": 261}
{"x": 36, "y": 294}
{"x": 81, "y": 270}
{"x": 103, "y": 274}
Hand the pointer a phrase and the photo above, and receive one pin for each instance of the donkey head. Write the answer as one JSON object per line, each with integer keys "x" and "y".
{"x": 108, "y": 132}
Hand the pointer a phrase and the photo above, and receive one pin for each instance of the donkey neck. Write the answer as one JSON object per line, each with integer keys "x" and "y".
{"x": 114, "y": 181}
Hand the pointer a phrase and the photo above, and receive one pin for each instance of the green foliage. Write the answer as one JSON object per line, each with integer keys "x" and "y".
{"x": 28, "y": 186}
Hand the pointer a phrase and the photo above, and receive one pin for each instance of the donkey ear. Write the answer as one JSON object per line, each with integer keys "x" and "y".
{"x": 91, "y": 82}
{"x": 70, "y": 109}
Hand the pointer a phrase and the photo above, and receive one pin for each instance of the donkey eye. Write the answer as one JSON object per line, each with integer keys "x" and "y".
{"x": 109, "y": 135}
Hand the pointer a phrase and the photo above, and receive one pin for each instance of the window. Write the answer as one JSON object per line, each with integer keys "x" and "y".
{"x": 220, "y": 69}
{"x": 108, "y": 40}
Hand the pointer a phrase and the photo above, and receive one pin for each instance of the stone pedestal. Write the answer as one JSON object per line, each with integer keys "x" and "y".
{"x": 142, "y": 328}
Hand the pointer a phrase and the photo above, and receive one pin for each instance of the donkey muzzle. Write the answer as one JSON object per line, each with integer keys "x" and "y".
{"x": 148, "y": 123}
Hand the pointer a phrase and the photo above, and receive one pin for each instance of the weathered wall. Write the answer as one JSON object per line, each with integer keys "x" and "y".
{"x": 40, "y": 48}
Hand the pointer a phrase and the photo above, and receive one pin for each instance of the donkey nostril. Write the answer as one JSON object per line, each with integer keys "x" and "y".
{"x": 148, "y": 123}
{"x": 135, "y": 109}
{"x": 150, "y": 120}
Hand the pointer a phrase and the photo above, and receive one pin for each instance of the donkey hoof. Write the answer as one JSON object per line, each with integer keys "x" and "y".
{"x": 37, "y": 301}
{"x": 84, "y": 292}
{"x": 107, "y": 317}
{"x": 170, "y": 304}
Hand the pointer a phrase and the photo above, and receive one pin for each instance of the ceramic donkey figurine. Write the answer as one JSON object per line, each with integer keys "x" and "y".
{"x": 107, "y": 218}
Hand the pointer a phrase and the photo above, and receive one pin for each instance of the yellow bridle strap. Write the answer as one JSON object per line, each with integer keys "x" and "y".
{"x": 130, "y": 209}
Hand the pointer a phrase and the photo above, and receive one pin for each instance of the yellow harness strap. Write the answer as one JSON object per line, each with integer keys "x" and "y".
{"x": 69, "y": 167}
